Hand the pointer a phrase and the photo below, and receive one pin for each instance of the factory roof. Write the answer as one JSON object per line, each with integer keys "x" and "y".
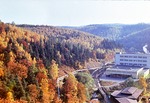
{"x": 124, "y": 68}
{"x": 134, "y": 53}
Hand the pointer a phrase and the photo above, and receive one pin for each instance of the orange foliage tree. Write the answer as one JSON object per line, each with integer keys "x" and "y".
{"x": 33, "y": 93}
{"x": 1, "y": 69}
{"x": 40, "y": 65}
{"x": 81, "y": 93}
{"x": 70, "y": 89}
{"x": 45, "y": 91}
{"x": 40, "y": 76}
{"x": 57, "y": 99}
{"x": 52, "y": 90}
{"x": 18, "y": 69}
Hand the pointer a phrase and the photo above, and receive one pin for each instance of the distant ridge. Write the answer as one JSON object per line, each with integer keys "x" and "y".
{"x": 132, "y": 36}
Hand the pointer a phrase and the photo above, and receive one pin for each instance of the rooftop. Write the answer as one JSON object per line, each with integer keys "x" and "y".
{"x": 125, "y": 68}
{"x": 129, "y": 90}
{"x": 94, "y": 101}
{"x": 126, "y": 100}
{"x": 133, "y": 53}
{"x": 130, "y": 93}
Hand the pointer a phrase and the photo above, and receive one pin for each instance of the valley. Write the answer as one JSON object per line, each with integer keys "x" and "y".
{"x": 35, "y": 56}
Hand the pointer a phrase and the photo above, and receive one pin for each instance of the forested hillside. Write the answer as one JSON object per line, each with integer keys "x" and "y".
{"x": 112, "y": 31}
{"x": 136, "y": 41}
{"x": 29, "y": 63}
{"x": 82, "y": 46}
{"x": 131, "y": 37}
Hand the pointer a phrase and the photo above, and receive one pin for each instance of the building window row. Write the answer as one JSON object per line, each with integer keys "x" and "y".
{"x": 133, "y": 64}
{"x": 133, "y": 60}
{"x": 133, "y": 56}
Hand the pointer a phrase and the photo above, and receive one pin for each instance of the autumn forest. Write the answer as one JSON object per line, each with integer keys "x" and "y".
{"x": 33, "y": 57}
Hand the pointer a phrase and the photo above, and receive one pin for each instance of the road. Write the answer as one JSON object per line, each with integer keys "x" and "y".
{"x": 76, "y": 71}
{"x": 101, "y": 90}
{"x": 96, "y": 74}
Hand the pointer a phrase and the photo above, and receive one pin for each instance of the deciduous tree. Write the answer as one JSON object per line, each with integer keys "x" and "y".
{"x": 52, "y": 90}
{"x": 10, "y": 97}
{"x": 70, "y": 89}
{"x": 81, "y": 93}
{"x": 143, "y": 83}
{"x": 54, "y": 70}
{"x": 33, "y": 92}
{"x": 45, "y": 91}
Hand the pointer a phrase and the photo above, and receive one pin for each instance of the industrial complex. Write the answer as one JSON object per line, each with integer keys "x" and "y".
{"x": 129, "y": 65}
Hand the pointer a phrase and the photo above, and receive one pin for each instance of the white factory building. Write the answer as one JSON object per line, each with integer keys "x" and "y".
{"x": 141, "y": 60}
{"x": 129, "y": 65}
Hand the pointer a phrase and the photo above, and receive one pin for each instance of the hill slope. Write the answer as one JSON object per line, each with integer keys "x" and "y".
{"x": 136, "y": 41}
{"x": 29, "y": 62}
{"x": 93, "y": 45}
{"x": 112, "y": 31}
{"x": 132, "y": 37}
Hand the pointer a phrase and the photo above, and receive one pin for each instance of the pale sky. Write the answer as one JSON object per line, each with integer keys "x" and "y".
{"x": 74, "y": 12}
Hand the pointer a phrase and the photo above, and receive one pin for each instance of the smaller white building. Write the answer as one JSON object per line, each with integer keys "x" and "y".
{"x": 145, "y": 73}
{"x": 139, "y": 59}
{"x": 125, "y": 72}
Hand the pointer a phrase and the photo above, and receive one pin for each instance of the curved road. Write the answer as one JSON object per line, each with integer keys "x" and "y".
{"x": 95, "y": 74}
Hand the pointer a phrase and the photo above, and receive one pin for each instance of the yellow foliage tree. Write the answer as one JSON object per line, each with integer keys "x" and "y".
{"x": 143, "y": 83}
{"x": 2, "y": 57}
{"x": 34, "y": 61}
{"x": 54, "y": 70}
{"x": 45, "y": 90}
{"x": 12, "y": 56}
{"x": 28, "y": 56}
{"x": 10, "y": 97}
{"x": 3, "y": 44}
